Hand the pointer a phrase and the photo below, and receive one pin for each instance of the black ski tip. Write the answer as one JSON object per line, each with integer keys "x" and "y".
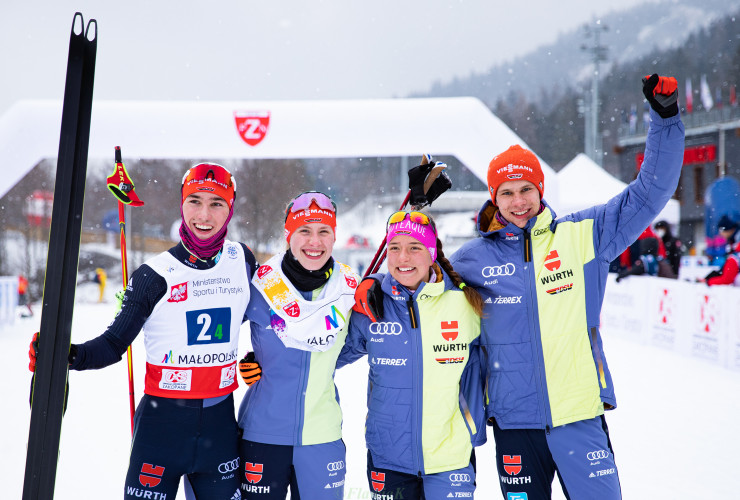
{"x": 81, "y": 29}
{"x": 92, "y": 25}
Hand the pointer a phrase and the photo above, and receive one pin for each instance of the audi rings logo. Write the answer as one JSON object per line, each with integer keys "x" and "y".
{"x": 385, "y": 328}
{"x": 597, "y": 455}
{"x": 460, "y": 478}
{"x": 227, "y": 467}
{"x": 504, "y": 270}
{"x": 335, "y": 466}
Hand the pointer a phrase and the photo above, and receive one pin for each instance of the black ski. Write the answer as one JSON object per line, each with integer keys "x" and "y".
{"x": 50, "y": 379}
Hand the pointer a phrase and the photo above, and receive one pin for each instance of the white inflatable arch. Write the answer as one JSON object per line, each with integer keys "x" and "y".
{"x": 461, "y": 127}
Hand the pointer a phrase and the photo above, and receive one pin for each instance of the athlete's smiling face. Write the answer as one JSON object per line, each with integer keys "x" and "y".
{"x": 409, "y": 261}
{"x": 205, "y": 214}
{"x": 312, "y": 244}
{"x": 518, "y": 201}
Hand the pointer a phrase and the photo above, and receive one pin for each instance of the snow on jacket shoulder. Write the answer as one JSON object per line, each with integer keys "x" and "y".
{"x": 417, "y": 419}
{"x": 543, "y": 286}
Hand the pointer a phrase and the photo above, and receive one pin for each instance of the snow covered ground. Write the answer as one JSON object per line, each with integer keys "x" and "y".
{"x": 673, "y": 434}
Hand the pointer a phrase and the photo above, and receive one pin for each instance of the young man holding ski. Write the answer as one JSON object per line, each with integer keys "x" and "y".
{"x": 543, "y": 281}
{"x": 190, "y": 302}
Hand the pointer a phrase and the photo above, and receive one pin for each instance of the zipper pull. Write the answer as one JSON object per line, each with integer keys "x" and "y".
{"x": 411, "y": 313}
{"x": 527, "y": 244}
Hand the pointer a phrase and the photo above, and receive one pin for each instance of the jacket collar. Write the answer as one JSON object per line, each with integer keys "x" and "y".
{"x": 488, "y": 225}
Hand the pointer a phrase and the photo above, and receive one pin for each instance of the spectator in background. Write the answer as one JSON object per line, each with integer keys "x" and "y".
{"x": 628, "y": 259}
{"x": 646, "y": 262}
{"x": 728, "y": 229}
{"x": 728, "y": 275}
{"x": 23, "y": 299}
{"x": 674, "y": 249}
{"x": 100, "y": 278}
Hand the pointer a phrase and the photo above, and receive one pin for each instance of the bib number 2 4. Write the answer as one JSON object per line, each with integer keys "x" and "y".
{"x": 209, "y": 326}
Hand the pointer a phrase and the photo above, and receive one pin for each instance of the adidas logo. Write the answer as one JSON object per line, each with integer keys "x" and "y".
{"x": 450, "y": 495}
{"x": 488, "y": 301}
{"x": 328, "y": 486}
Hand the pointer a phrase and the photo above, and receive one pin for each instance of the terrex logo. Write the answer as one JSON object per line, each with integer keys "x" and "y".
{"x": 449, "y": 330}
{"x": 552, "y": 261}
{"x": 252, "y": 125}
{"x": 378, "y": 480}
{"x": 263, "y": 270}
{"x": 253, "y": 472}
{"x": 512, "y": 464}
{"x": 151, "y": 475}
{"x": 178, "y": 293}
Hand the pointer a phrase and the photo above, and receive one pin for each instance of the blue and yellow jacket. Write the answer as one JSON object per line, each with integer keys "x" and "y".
{"x": 295, "y": 402}
{"x": 543, "y": 287}
{"x": 419, "y": 419}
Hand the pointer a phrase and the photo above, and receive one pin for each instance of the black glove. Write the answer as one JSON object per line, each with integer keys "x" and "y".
{"x": 417, "y": 177}
{"x": 662, "y": 94}
{"x": 250, "y": 369}
{"x": 713, "y": 274}
{"x": 369, "y": 299}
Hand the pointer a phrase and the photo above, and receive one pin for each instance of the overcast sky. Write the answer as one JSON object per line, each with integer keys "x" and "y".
{"x": 275, "y": 49}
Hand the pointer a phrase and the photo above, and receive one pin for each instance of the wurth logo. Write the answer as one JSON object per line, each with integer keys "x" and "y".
{"x": 378, "y": 480}
{"x": 151, "y": 475}
{"x": 449, "y": 330}
{"x": 512, "y": 464}
{"x": 253, "y": 472}
{"x": 552, "y": 261}
{"x": 178, "y": 293}
{"x": 138, "y": 493}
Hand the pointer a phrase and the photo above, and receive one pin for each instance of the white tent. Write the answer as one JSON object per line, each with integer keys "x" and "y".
{"x": 461, "y": 126}
{"x": 583, "y": 183}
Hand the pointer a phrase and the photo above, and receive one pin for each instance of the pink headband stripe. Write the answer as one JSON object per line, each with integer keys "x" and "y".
{"x": 423, "y": 233}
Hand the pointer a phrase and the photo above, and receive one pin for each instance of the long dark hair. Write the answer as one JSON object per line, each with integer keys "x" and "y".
{"x": 471, "y": 294}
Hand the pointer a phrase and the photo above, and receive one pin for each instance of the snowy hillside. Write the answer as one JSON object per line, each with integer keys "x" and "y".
{"x": 630, "y": 34}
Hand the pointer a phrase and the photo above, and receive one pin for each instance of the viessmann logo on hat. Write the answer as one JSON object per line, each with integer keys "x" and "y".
{"x": 511, "y": 167}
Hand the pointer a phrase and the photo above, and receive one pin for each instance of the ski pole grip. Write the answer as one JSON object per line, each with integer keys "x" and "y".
{"x": 118, "y": 155}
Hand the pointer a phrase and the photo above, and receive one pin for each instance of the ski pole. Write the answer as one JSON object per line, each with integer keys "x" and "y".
{"x": 379, "y": 256}
{"x": 122, "y": 187}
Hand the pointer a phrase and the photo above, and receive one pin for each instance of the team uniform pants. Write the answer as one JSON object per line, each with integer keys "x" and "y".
{"x": 182, "y": 437}
{"x": 312, "y": 472}
{"x": 387, "y": 484}
{"x": 580, "y": 452}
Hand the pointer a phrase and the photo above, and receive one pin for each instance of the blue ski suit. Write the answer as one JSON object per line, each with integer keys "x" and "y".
{"x": 543, "y": 286}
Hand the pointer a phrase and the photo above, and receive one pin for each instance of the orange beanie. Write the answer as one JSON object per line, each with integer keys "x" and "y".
{"x": 516, "y": 163}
